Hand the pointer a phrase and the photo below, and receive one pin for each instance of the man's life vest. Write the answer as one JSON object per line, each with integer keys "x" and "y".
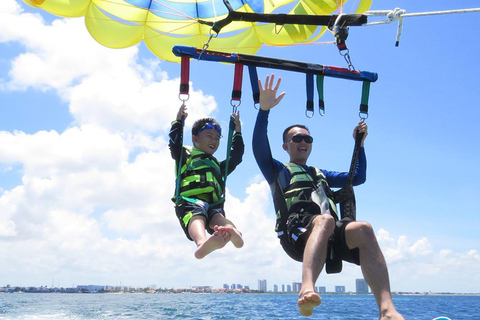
{"x": 299, "y": 189}
{"x": 201, "y": 177}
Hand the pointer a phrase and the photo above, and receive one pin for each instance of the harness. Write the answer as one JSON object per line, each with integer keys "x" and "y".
{"x": 200, "y": 177}
{"x": 300, "y": 189}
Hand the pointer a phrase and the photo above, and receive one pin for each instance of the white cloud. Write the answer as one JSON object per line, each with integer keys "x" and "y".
{"x": 419, "y": 267}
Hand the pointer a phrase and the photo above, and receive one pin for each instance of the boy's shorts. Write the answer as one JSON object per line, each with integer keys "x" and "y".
{"x": 294, "y": 244}
{"x": 185, "y": 210}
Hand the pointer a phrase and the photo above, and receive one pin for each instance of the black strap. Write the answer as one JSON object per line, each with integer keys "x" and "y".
{"x": 281, "y": 19}
{"x": 356, "y": 151}
{"x": 346, "y": 196}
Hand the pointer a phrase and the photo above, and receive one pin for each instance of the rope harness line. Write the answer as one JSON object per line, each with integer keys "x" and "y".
{"x": 399, "y": 14}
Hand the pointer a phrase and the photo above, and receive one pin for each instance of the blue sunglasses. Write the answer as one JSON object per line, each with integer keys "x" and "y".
{"x": 210, "y": 126}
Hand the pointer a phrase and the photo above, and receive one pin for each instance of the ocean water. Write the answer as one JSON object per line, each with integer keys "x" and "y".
{"x": 58, "y": 306}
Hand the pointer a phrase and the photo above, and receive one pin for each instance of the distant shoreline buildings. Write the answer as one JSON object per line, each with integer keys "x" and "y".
{"x": 361, "y": 287}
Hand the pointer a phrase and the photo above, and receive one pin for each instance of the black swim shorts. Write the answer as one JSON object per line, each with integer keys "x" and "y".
{"x": 185, "y": 210}
{"x": 293, "y": 240}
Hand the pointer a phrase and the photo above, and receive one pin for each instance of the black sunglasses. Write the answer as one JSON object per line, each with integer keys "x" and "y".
{"x": 299, "y": 137}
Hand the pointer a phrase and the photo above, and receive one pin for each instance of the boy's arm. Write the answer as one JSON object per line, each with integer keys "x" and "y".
{"x": 238, "y": 148}
{"x": 175, "y": 143}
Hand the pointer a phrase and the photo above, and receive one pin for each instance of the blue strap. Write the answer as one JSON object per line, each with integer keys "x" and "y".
{"x": 252, "y": 70}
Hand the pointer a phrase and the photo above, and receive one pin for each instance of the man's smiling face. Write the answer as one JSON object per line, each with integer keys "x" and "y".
{"x": 298, "y": 151}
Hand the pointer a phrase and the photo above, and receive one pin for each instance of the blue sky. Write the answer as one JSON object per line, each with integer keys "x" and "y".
{"x": 86, "y": 177}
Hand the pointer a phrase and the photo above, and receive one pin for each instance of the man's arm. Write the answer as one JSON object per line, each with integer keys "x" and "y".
{"x": 261, "y": 148}
{"x": 340, "y": 179}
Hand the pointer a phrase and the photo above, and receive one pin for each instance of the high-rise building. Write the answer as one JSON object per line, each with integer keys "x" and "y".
{"x": 275, "y": 288}
{"x": 340, "y": 289}
{"x": 283, "y": 288}
{"x": 262, "y": 285}
{"x": 322, "y": 289}
{"x": 361, "y": 286}
{"x": 289, "y": 288}
{"x": 297, "y": 286}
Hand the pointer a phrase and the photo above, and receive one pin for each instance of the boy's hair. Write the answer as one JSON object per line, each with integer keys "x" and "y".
{"x": 201, "y": 122}
{"x": 285, "y": 133}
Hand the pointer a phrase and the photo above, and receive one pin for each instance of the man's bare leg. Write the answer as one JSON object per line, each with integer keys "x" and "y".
{"x": 314, "y": 258}
{"x": 374, "y": 268}
{"x": 196, "y": 229}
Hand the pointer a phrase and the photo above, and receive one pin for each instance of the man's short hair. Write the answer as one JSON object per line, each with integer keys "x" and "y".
{"x": 285, "y": 133}
{"x": 201, "y": 122}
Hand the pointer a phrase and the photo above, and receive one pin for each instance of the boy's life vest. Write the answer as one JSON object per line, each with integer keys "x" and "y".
{"x": 201, "y": 177}
{"x": 298, "y": 191}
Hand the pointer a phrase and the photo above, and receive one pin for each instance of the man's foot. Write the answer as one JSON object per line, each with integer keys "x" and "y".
{"x": 233, "y": 234}
{"x": 307, "y": 301}
{"x": 391, "y": 316}
{"x": 216, "y": 241}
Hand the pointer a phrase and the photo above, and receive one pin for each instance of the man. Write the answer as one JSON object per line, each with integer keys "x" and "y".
{"x": 306, "y": 226}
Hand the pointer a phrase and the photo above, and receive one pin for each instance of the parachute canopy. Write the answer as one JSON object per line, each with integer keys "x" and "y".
{"x": 163, "y": 24}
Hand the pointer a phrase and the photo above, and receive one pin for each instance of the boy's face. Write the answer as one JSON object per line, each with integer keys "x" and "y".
{"x": 207, "y": 140}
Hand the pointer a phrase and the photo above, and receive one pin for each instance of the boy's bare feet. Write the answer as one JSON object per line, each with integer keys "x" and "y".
{"x": 233, "y": 234}
{"x": 307, "y": 301}
{"x": 216, "y": 241}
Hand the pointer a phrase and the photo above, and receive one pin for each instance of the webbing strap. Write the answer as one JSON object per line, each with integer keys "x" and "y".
{"x": 309, "y": 112}
{"x": 356, "y": 151}
{"x": 231, "y": 129}
{"x": 364, "y": 104}
{"x": 237, "y": 83}
{"x": 321, "y": 102}
{"x": 179, "y": 166}
{"x": 185, "y": 75}
{"x": 252, "y": 70}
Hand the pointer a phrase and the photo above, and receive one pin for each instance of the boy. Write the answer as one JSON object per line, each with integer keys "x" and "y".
{"x": 199, "y": 206}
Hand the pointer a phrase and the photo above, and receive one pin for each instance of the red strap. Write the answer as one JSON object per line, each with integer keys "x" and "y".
{"x": 237, "y": 82}
{"x": 185, "y": 75}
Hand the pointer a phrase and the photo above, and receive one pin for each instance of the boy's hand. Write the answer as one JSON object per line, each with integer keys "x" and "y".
{"x": 182, "y": 112}
{"x": 238, "y": 124}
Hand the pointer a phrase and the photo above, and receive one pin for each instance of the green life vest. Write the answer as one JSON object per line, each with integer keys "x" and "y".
{"x": 300, "y": 187}
{"x": 201, "y": 177}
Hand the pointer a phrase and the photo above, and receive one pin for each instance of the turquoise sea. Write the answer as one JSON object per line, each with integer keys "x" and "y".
{"x": 60, "y": 306}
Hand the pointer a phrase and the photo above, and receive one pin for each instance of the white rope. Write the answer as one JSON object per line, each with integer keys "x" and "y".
{"x": 398, "y": 14}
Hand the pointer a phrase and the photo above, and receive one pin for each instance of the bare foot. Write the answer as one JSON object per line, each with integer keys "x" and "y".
{"x": 234, "y": 235}
{"x": 307, "y": 301}
{"x": 216, "y": 241}
{"x": 391, "y": 316}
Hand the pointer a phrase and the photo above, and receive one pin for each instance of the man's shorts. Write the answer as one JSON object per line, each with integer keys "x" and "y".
{"x": 294, "y": 244}
{"x": 185, "y": 210}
